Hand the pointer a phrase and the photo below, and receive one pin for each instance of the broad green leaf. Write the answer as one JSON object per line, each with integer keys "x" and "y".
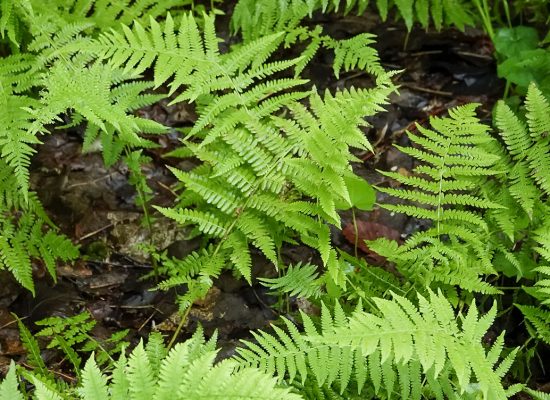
{"x": 361, "y": 193}
{"x": 509, "y": 42}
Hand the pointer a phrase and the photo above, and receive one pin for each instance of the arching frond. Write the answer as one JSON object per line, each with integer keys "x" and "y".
{"x": 392, "y": 350}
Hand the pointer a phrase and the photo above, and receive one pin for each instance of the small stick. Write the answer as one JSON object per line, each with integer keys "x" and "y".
{"x": 88, "y": 235}
{"x": 431, "y": 91}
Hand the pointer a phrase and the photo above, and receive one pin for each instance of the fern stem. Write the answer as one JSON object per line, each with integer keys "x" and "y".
{"x": 100, "y": 346}
{"x": 441, "y": 194}
{"x": 147, "y": 218}
{"x": 179, "y": 328}
{"x": 355, "y": 232}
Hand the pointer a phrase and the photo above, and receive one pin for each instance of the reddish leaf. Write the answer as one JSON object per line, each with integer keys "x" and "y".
{"x": 370, "y": 231}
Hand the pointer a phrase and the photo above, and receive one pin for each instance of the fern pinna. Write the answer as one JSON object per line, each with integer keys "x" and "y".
{"x": 442, "y": 189}
{"x": 271, "y": 167}
{"x": 400, "y": 351}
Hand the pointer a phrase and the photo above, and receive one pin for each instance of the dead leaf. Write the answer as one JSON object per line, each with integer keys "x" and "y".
{"x": 367, "y": 230}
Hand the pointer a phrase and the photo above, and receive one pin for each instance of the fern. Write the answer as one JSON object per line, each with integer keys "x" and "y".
{"x": 539, "y": 319}
{"x": 9, "y": 386}
{"x": 355, "y": 53}
{"x": 186, "y": 372}
{"x": 33, "y": 350}
{"x": 253, "y": 195}
{"x": 442, "y": 190}
{"x": 258, "y": 18}
{"x": 393, "y": 350}
{"x": 105, "y": 107}
{"x": 24, "y": 238}
{"x": 15, "y": 139}
{"x": 75, "y": 334}
{"x": 299, "y": 280}
{"x": 12, "y": 19}
{"x": 527, "y": 144}
{"x": 537, "y": 395}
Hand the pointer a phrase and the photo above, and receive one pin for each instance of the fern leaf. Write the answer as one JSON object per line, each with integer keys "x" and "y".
{"x": 140, "y": 375}
{"x": 32, "y": 348}
{"x": 540, "y": 320}
{"x": 299, "y": 280}
{"x": 156, "y": 351}
{"x": 456, "y": 155}
{"x": 9, "y": 388}
{"x": 42, "y": 392}
{"x": 94, "y": 383}
{"x": 171, "y": 370}
{"x": 397, "y": 341}
{"x": 120, "y": 384}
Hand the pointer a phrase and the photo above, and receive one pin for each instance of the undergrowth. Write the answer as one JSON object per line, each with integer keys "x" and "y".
{"x": 272, "y": 168}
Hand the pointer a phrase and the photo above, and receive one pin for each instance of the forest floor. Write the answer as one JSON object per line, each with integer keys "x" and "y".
{"x": 95, "y": 206}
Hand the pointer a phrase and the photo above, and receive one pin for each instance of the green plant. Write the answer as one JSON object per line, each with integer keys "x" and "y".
{"x": 45, "y": 37}
{"x": 401, "y": 349}
{"x": 442, "y": 189}
{"x": 185, "y": 372}
{"x": 522, "y": 59}
{"x": 461, "y": 167}
{"x": 74, "y": 334}
{"x": 272, "y": 166}
{"x": 257, "y": 18}
{"x": 254, "y": 194}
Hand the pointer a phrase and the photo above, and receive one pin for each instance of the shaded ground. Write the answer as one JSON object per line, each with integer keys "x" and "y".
{"x": 95, "y": 206}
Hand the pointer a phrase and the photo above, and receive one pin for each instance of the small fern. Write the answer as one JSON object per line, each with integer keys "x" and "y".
{"x": 442, "y": 190}
{"x": 29, "y": 236}
{"x": 72, "y": 334}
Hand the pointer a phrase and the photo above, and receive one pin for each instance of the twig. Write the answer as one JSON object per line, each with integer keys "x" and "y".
{"x": 162, "y": 185}
{"x": 147, "y": 320}
{"x": 427, "y": 90}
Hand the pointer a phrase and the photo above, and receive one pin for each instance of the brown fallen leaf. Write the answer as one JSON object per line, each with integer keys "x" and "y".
{"x": 367, "y": 230}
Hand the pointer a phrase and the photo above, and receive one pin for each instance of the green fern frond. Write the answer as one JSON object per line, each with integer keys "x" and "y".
{"x": 455, "y": 157}
{"x": 18, "y": 73}
{"x": 539, "y": 319}
{"x": 94, "y": 383}
{"x": 33, "y": 350}
{"x": 528, "y": 142}
{"x": 92, "y": 86}
{"x": 186, "y": 372}
{"x": 16, "y": 139}
{"x": 267, "y": 160}
{"x": 356, "y": 53}
{"x": 299, "y": 280}
{"x": 543, "y": 285}
{"x": 23, "y": 238}
{"x": 72, "y": 334}
{"x": 12, "y": 19}
{"x": 9, "y": 388}
{"x": 538, "y": 395}
{"x": 391, "y": 350}
{"x": 257, "y": 18}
